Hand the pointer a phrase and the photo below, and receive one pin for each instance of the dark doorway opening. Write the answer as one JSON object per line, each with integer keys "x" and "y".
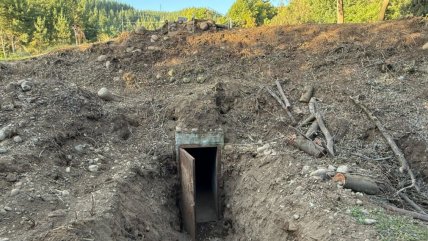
{"x": 206, "y": 183}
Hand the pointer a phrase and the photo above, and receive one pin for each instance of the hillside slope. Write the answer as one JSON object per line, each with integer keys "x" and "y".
{"x": 88, "y": 169}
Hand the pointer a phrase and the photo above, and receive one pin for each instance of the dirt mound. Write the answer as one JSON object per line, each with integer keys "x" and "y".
{"x": 75, "y": 167}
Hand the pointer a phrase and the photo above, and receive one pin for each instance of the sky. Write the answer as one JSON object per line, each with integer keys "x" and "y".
{"x": 220, "y": 6}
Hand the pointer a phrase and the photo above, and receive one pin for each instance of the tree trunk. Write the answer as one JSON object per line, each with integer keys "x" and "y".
{"x": 383, "y": 10}
{"x": 13, "y": 44}
{"x": 3, "y": 45}
{"x": 340, "y": 14}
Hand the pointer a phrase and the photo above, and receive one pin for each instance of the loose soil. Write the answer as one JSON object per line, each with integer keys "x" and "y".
{"x": 206, "y": 81}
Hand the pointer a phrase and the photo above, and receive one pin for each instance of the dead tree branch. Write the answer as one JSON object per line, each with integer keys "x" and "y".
{"x": 282, "y": 104}
{"x": 398, "y": 153}
{"x": 323, "y": 128}
{"x": 415, "y": 215}
{"x": 284, "y": 98}
{"x": 307, "y": 121}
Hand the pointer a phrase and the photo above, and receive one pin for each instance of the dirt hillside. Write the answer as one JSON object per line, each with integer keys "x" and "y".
{"x": 76, "y": 167}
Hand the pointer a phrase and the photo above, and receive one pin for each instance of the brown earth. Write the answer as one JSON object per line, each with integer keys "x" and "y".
{"x": 205, "y": 81}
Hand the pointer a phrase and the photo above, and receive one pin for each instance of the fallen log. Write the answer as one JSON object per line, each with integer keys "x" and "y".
{"x": 414, "y": 215}
{"x": 357, "y": 183}
{"x": 307, "y": 146}
{"x": 398, "y": 153}
{"x": 323, "y": 128}
{"x": 411, "y": 203}
{"x": 307, "y": 94}
{"x": 284, "y": 98}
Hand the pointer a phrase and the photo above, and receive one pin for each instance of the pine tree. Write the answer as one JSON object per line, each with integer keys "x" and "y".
{"x": 39, "y": 40}
{"x": 62, "y": 29}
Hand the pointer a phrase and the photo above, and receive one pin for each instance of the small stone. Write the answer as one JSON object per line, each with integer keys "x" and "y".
{"x": 26, "y": 85}
{"x": 305, "y": 169}
{"x": 201, "y": 79}
{"x": 296, "y": 216}
{"x": 3, "y": 150}
{"x": 7, "y": 208}
{"x": 165, "y": 38}
{"x": 11, "y": 177}
{"x": 129, "y": 49}
{"x": 154, "y": 38}
{"x": 343, "y": 169}
{"x": 105, "y": 94}
{"x": 8, "y": 107}
{"x": 80, "y": 148}
{"x": 102, "y": 58}
{"x": 331, "y": 168}
{"x": 67, "y": 169}
{"x": 158, "y": 76}
{"x": 65, "y": 193}
{"x": 57, "y": 213}
{"x": 171, "y": 72}
{"x": 7, "y": 132}
{"x": 359, "y": 202}
{"x": 369, "y": 221}
{"x": 320, "y": 173}
{"x": 14, "y": 192}
{"x": 203, "y": 26}
{"x": 17, "y": 139}
{"x": 425, "y": 46}
{"x": 263, "y": 148}
{"x": 186, "y": 80}
{"x": 4, "y": 239}
{"x": 153, "y": 48}
{"x": 108, "y": 63}
{"x": 2, "y": 211}
{"x": 93, "y": 168}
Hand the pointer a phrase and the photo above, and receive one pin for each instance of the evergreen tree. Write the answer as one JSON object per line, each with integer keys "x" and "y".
{"x": 39, "y": 40}
{"x": 62, "y": 29}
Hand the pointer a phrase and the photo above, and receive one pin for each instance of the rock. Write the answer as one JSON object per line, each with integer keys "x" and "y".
{"x": 290, "y": 226}
{"x": 129, "y": 49}
{"x": 201, "y": 79}
{"x": 203, "y": 26}
{"x": 7, "y": 208}
{"x": 57, "y": 213}
{"x": 67, "y": 169}
{"x": 93, "y": 168}
{"x": 305, "y": 169}
{"x": 17, "y": 139}
{"x": 2, "y": 211}
{"x": 14, "y": 192}
{"x": 105, "y": 94}
{"x": 343, "y": 169}
{"x": 4, "y": 239}
{"x": 425, "y": 46}
{"x": 8, "y": 107}
{"x": 65, "y": 193}
{"x": 331, "y": 168}
{"x": 11, "y": 177}
{"x": 369, "y": 221}
{"x": 7, "y": 132}
{"x": 154, "y": 38}
{"x": 296, "y": 216}
{"x": 3, "y": 150}
{"x": 320, "y": 173}
{"x": 102, "y": 58}
{"x": 186, "y": 80}
{"x": 108, "y": 63}
{"x": 171, "y": 72}
{"x": 80, "y": 148}
{"x": 158, "y": 76}
{"x": 26, "y": 85}
{"x": 359, "y": 202}
{"x": 153, "y": 48}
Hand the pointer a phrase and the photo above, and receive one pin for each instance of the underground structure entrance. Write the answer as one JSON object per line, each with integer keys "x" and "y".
{"x": 199, "y": 159}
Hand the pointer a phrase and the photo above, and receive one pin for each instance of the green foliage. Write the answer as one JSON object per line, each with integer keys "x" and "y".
{"x": 250, "y": 13}
{"x": 39, "y": 40}
{"x": 62, "y": 29}
{"x": 356, "y": 11}
{"x": 393, "y": 228}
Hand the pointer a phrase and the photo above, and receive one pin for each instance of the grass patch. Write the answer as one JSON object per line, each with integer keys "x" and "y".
{"x": 393, "y": 227}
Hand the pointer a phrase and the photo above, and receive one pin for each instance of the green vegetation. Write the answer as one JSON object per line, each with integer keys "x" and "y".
{"x": 31, "y": 26}
{"x": 391, "y": 227}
